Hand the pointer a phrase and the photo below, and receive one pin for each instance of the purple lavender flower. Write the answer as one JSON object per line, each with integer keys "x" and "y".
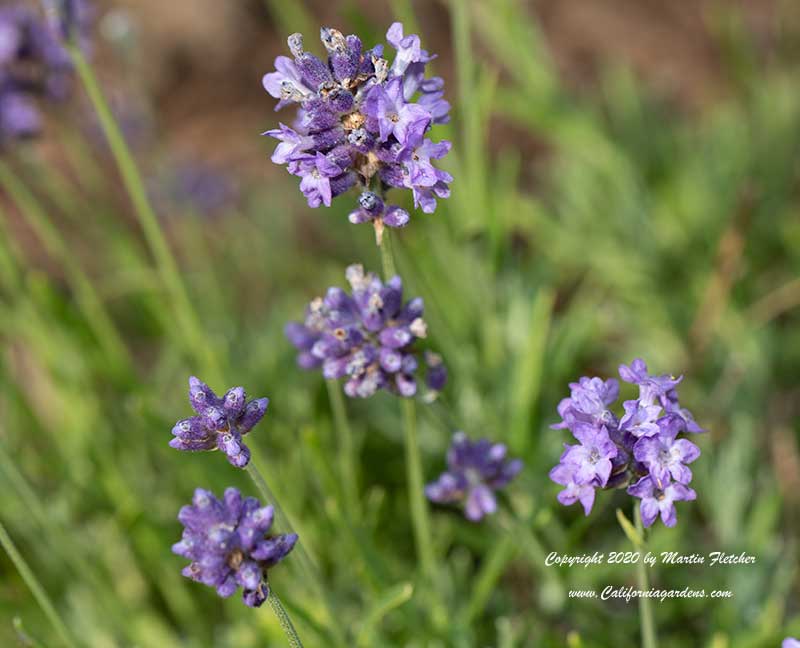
{"x": 70, "y": 19}
{"x": 564, "y": 474}
{"x": 660, "y": 499}
{"x": 220, "y": 422}
{"x": 592, "y": 459}
{"x": 361, "y": 122}
{"x": 475, "y": 470}
{"x": 367, "y": 337}
{"x": 33, "y": 66}
{"x": 642, "y": 448}
{"x": 229, "y": 544}
{"x": 665, "y": 455}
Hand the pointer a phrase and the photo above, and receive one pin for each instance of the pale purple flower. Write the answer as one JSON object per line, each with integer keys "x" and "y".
{"x": 475, "y": 469}
{"x": 372, "y": 116}
{"x": 790, "y": 642}
{"x": 665, "y": 456}
{"x": 588, "y": 402}
{"x": 220, "y": 422}
{"x": 660, "y": 500}
{"x": 642, "y": 448}
{"x": 229, "y": 544}
{"x": 651, "y": 388}
{"x": 367, "y": 337}
{"x": 640, "y": 419}
{"x": 592, "y": 458}
{"x": 564, "y": 474}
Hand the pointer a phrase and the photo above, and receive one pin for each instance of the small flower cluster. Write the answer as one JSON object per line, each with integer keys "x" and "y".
{"x": 33, "y": 65}
{"x": 366, "y": 337}
{"x": 220, "y": 422}
{"x": 641, "y": 450}
{"x": 475, "y": 469}
{"x": 361, "y": 120}
{"x": 229, "y": 544}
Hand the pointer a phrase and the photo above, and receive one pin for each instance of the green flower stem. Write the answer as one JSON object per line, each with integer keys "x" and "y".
{"x": 309, "y": 567}
{"x": 88, "y": 300}
{"x": 416, "y": 492}
{"x": 387, "y": 257}
{"x": 347, "y": 457}
{"x": 36, "y": 588}
{"x": 645, "y": 610}
{"x": 167, "y": 267}
{"x": 284, "y": 620}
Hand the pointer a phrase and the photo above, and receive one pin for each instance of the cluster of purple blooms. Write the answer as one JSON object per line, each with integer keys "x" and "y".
{"x": 642, "y": 450}
{"x": 362, "y": 121}
{"x": 229, "y": 544}
{"x": 367, "y": 337}
{"x": 220, "y": 423}
{"x": 475, "y": 469}
{"x": 33, "y": 65}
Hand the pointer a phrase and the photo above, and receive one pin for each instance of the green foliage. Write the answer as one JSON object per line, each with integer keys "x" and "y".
{"x": 642, "y": 232}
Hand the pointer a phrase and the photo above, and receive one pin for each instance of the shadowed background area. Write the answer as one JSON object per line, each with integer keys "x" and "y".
{"x": 625, "y": 184}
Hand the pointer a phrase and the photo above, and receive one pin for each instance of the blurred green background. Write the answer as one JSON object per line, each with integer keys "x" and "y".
{"x": 626, "y": 184}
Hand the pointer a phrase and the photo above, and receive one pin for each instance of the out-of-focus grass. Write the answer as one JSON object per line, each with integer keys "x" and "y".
{"x": 645, "y": 232}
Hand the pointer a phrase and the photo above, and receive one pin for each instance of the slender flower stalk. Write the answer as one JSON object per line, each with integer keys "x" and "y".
{"x": 284, "y": 619}
{"x": 132, "y": 179}
{"x": 645, "y": 610}
{"x": 387, "y": 255}
{"x": 416, "y": 492}
{"x": 308, "y": 565}
{"x": 348, "y": 467}
{"x": 36, "y": 588}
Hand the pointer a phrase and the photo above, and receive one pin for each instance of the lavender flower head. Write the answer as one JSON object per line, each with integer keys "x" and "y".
{"x": 33, "y": 65}
{"x": 220, "y": 422}
{"x": 641, "y": 450}
{"x": 367, "y": 337}
{"x": 362, "y": 121}
{"x": 229, "y": 544}
{"x": 475, "y": 469}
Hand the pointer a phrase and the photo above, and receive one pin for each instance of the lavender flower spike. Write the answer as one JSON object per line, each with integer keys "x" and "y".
{"x": 641, "y": 451}
{"x": 475, "y": 470}
{"x": 367, "y": 337}
{"x": 229, "y": 544}
{"x": 361, "y": 122}
{"x": 220, "y": 422}
{"x": 33, "y": 65}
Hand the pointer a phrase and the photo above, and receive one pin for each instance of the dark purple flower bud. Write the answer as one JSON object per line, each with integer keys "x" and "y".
{"x": 229, "y": 544}
{"x": 220, "y": 423}
{"x": 344, "y": 53}
{"x": 475, "y": 470}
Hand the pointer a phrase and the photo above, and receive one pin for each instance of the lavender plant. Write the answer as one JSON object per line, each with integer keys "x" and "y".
{"x": 642, "y": 450}
{"x": 34, "y": 68}
{"x": 475, "y": 470}
{"x": 220, "y": 423}
{"x": 367, "y": 337}
{"x": 229, "y": 544}
{"x": 362, "y": 122}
